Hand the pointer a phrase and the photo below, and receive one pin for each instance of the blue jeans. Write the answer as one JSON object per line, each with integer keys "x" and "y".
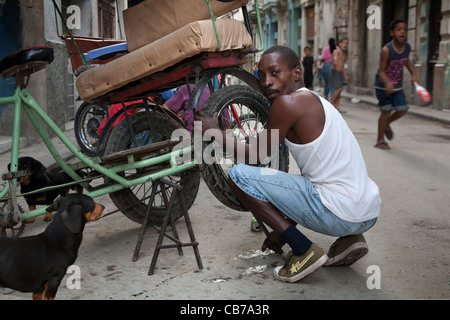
{"x": 326, "y": 76}
{"x": 320, "y": 75}
{"x": 295, "y": 197}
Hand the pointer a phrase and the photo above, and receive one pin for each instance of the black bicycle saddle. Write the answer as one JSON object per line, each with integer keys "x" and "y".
{"x": 31, "y": 59}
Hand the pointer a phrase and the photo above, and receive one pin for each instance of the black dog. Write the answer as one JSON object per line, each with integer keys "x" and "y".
{"x": 38, "y": 263}
{"x": 39, "y": 178}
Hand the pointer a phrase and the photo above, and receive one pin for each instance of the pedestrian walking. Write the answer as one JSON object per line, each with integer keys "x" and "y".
{"x": 330, "y": 196}
{"x": 327, "y": 59}
{"x": 389, "y": 81}
{"x": 338, "y": 74}
{"x": 320, "y": 67}
{"x": 308, "y": 64}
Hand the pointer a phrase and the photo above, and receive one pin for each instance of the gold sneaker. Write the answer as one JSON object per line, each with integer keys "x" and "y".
{"x": 297, "y": 267}
{"x": 347, "y": 250}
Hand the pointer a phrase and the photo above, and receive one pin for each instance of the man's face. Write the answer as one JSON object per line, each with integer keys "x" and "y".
{"x": 400, "y": 32}
{"x": 343, "y": 45}
{"x": 275, "y": 78}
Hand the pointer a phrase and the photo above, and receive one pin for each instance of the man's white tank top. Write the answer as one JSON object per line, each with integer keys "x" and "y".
{"x": 335, "y": 165}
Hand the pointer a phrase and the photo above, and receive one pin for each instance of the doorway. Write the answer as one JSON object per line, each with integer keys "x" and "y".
{"x": 434, "y": 38}
{"x": 392, "y": 9}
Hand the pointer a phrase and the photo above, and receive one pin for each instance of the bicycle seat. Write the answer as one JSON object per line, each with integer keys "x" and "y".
{"x": 27, "y": 61}
{"x": 107, "y": 52}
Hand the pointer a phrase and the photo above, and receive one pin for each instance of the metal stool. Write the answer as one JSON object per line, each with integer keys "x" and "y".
{"x": 163, "y": 183}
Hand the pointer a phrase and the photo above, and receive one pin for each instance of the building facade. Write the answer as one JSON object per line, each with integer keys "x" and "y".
{"x": 31, "y": 23}
{"x": 293, "y": 23}
{"x": 301, "y": 23}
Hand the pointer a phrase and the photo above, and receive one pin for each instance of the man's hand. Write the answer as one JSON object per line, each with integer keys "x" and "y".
{"x": 207, "y": 121}
{"x": 273, "y": 242}
{"x": 390, "y": 87}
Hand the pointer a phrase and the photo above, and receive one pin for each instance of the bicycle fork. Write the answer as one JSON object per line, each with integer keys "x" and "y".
{"x": 12, "y": 215}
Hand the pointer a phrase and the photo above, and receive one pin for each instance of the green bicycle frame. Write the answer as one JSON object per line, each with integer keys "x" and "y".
{"x": 23, "y": 99}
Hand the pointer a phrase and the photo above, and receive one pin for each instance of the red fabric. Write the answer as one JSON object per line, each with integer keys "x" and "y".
{"x": 114, "y": 108}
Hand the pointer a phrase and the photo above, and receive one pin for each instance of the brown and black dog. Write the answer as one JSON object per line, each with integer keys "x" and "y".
{"x": 38, "y": 263}
{"x": 39, "y": 178}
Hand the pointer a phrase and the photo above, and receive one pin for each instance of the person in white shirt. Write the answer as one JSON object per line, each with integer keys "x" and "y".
{"x": 333, "y": 195}
{"x": 320, "y": 67}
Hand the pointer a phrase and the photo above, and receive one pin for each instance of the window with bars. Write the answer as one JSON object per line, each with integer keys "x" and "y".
{"x": 106, "y": 19}
{"x": 309, "y": 22}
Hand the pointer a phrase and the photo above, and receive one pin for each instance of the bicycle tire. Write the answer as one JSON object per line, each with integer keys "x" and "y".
{"x": 88, "y": 118}
{"x": 127, "y": 200}
{"x": 257, "y": 108}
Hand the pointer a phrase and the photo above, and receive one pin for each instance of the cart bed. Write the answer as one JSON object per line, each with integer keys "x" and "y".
{"x": 194, "y": 38}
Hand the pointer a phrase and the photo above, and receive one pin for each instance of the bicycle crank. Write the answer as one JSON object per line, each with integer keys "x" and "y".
{"x": 9, "y": 229}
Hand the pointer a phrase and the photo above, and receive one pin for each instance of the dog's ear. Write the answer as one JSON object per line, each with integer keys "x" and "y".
{"x": 55, "y": 205}
{"x": 87, "y": 203}
{"x": 72, "y": 218}
{"x": 38, "y": 169}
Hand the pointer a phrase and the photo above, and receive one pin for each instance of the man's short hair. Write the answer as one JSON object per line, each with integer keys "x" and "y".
{"x": 288, "y": 55}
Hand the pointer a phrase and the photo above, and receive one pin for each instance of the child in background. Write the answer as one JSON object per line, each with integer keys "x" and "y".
{"x": 338, "y": 74}
{"x": 308, "y": 62}
{"x": 320, "y": 66}
{"x": 389, "y": 81}
{"x": 327, "y": 59}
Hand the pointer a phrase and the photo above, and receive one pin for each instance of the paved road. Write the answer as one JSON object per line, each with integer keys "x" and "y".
{"x": 409, "y": 245}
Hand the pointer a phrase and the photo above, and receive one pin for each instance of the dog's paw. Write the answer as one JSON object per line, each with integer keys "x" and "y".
{"x": 30, "y": 220}
{"x": 48, "y": 217}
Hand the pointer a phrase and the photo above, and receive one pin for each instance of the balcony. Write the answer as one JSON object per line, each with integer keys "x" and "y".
{"x": 270, "y": 6}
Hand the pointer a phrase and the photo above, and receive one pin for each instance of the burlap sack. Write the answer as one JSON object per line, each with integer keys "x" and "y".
{"x": 153, "y": 19}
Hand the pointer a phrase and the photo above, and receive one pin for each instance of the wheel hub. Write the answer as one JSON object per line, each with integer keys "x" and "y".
{"x": 9, "y": 229}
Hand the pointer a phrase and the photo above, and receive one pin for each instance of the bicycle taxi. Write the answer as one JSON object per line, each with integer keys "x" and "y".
{"x": 141, "y": 149}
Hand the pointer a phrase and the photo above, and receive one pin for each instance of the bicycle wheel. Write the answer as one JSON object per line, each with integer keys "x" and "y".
{"x": 88, "y": 118}
{"x": 248, "y": 111}
{"x": 133, "y": 202}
